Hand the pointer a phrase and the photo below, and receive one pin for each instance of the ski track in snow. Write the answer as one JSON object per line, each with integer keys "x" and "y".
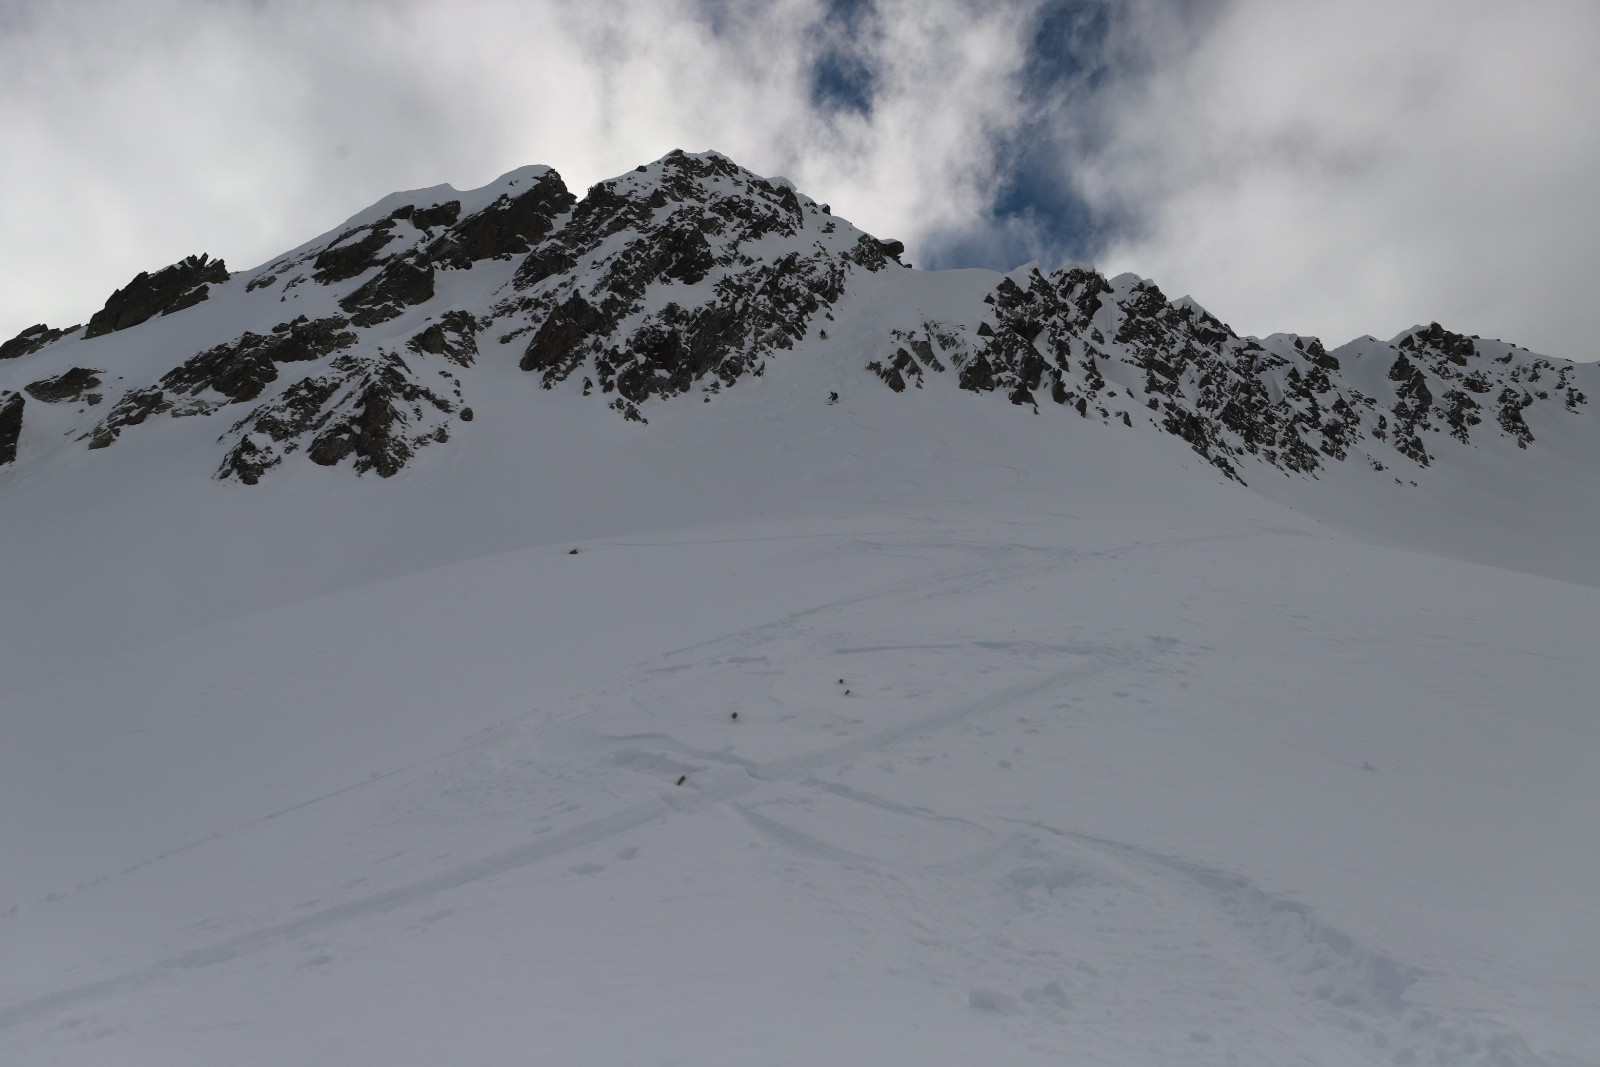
{"x": 1349, "y": 988}
{"x": 554, "y": 845}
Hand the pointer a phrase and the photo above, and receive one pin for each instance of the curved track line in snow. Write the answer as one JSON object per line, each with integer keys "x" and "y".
{"x": 1351, "y": 986}
{"x": 559, "y": 842}
{"x": 1359, "y": 993}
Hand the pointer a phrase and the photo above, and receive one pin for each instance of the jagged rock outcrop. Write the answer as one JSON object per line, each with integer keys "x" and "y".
{"x": 353, "y": 252}
{"x": 1119, "y": 350}
{"x": 688, "y": 276}
{"x": 182, "y": 285}
{"x": 1472, "y": 382}
{"x": 74, "y": 384}
{"x": 31, "y": 340}
{"x": 413, "y": 240}
{"x": 402, "y": 283}
{"x": 228, "y": 373}
{"x": 374, "y": 410}
{"x": 454, "y": 337}
{"x": 133, "y": 408}
{"x": 509, "y": 226}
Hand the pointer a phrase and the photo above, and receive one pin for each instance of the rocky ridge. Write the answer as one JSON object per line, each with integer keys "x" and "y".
{"x": 1118, "y": 350}
{"x": 689, "y": 276}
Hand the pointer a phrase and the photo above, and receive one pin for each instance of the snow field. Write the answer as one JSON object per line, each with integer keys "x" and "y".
{"x": 1012, "y": 834}
{"x": 1134, "y": 766}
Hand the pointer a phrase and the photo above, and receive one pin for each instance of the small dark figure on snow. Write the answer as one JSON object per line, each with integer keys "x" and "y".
{"x": 833, "y": 398}
{"x": 682, "y": 778}
{"x": 735, "y": 716}
{"x": 574, "y": 552}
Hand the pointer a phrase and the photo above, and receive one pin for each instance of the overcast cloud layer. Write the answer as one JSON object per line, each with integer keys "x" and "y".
{"x": 1329, "y": 166}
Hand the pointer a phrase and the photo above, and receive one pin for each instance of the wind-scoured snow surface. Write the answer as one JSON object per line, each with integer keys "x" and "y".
{"x": 1055, "y": 741}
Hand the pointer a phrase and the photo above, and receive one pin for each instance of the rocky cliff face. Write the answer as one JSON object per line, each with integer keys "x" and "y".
{"x": 1119, "y": 351}
{"x": 690, "y": 276}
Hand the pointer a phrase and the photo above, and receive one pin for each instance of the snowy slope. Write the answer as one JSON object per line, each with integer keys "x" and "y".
{"x": 1056, "y": 740}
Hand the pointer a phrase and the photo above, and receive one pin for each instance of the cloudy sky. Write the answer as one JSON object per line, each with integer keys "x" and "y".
{"x": 1335, "y": 167}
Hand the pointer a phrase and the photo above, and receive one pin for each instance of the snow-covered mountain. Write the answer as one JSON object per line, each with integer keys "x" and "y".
{"x": 662, "y": 627}
{"x": 690, "y": 276}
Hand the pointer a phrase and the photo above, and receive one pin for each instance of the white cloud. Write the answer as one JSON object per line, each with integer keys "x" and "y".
{"x": 1357, "y": 167}
{"x": 141, "y": 133}
{"x": 1332, "y": 167}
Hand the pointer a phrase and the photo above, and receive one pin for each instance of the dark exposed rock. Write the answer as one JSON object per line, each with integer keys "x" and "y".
{"x": 507, "y": 227}
{"x": 369, "y": 409}
{"x": 557, "y": 345}
{"x": 239, "y": 371}
{"x": 891, "y": 249}
{"x": 11, "y": 405}
{"x": 368, "y": 434}
{"x": 353, "y": 252}
{"x": 1461, "y": 414}
{"x": 453, "y": 336}
{"x": 400, "y": 284}
{"x": 1197, "y": 380}
{"x": 1413, "y": 404}
{"x": 131, "y": 410}
{"x": 681, "y": 254}
{"x": 429, "y": 218}
{"x": 1449, "y": 358}
{"x": 31, "y": 340}
{"x": 182, "y": 285}
{"x": 977, "y": 375}
{"x": 295, "y": 412}
{"x": 71, "y": 385}
{"x": 906, "y": 365}
{"x": 1510, "y": 418}
{"x": 378, "y": 422}
{"x": 1228, "y": 397}
{"x": 1452, "y": 347}
{"x": 685, "y": 221}
{"x": 305, "y": 339}
{"x": 235, "y": 372}
{"x": 1316, "y": 354}
{"x": 545, "y": 262}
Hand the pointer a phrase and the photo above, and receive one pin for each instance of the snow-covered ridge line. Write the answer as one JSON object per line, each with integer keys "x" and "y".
{"x": 689, "y": 275}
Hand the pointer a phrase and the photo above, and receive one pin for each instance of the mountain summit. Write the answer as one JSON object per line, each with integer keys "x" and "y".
{"x": 691, "y": 275}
